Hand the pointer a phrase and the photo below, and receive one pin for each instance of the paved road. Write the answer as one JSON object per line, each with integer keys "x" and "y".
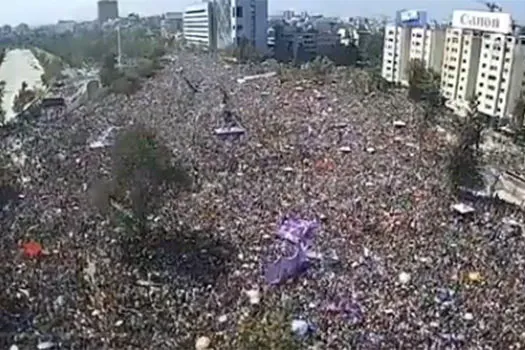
{"x": 19, "y": 65}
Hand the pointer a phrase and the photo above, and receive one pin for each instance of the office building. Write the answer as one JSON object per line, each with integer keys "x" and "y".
{"x": 250, "y": 22}
{"x": 199, "y": 26}
{"x": 107, "y": 10}
{"x": 483, "y": 60}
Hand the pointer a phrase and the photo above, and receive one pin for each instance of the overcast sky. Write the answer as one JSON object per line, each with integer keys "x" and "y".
{"x": 36, "y": 12}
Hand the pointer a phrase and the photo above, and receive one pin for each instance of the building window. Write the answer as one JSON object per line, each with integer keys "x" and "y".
{"x": 489, "y": 97}
{"x": 237, "y": 12}
{"x": 491, "y": 87}
{"x": 239, "y": 27}
{"x": 484, "y": 65}
{"x": 487, "y": 106}
{"x": 480, "y": 84}
{"x": 491, "y": 77}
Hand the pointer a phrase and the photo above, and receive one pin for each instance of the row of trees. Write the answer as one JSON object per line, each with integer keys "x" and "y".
{"x": 91, "y": 47}
{"x": 52, "y": 65}
{"x": 127, "y": 80}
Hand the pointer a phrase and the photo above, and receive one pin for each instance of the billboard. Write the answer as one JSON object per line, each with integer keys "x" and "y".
{"x": 482, "y": 20}
{"x": 411, "y": 18}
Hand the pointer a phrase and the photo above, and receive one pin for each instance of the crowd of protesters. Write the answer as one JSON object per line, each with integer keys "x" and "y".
{"x": 416, "y": 274}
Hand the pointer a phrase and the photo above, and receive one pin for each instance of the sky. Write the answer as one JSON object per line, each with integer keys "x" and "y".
{"x": 38, "y": 12}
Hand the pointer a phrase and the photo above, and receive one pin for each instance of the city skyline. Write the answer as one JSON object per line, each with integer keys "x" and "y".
{"x": 37, "y": 12}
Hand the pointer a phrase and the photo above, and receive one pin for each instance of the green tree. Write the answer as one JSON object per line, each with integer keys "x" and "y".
{"x": 23, "y": 97}
{"x": 344, "y": 55}
{"x": 465, "y": 154}
{"x": 142, "y": 170}
{"x": 372, "y": 49}
{"x": 125, "y": 84}
{"x": 109, "y": 72}
{"x": 518, "y": 113}
{"x": 146, "y": 68}
{"x": 2, "y": 55}
{"x": 245, "y": 52}
{"x": 2, "y": 112}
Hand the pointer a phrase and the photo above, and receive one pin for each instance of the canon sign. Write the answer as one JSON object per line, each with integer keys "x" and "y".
{"x": 485, "y": 21}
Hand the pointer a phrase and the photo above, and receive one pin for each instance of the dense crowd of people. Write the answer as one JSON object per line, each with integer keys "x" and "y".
{"x": 388, "y": 244}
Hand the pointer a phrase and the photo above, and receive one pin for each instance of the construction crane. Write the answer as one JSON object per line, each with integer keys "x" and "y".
{"x": 492, "y": 6}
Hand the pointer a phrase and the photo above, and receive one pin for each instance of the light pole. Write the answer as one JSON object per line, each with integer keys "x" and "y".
{"x": 119, "y": 50}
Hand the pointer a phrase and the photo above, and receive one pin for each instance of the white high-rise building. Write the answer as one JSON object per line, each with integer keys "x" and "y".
{"x": 483, "y": 60}
{"x": 199, "y": 26}
{"x": 408, "y": 39}
{"x": 500, "y": 73}
{"x": 228, "y": 23}
{"x": 396, "y": 53}
{"x": 427, "y": 45}
{"x": 460, "y": 65}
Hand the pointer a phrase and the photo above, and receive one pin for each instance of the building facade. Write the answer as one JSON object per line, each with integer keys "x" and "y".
{"x": 107, "y": 10}
{"x": 396, "y": 54}
{"x": 460, "y": 65}
{"x": 411, "y": 38}
{"x": 229, "y": 23}
{"x": 484, "y": 61}
{"x": 199, "y": 26}
{"x": 500, "y": 74}
{"x": 427, "y": 45}
{"x": 249, "y": 22}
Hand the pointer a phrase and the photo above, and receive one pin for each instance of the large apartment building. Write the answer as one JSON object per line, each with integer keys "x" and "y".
{"x": 483, "y": 60}
{"x": 410, "y": 38}
{"x": 460, "y": 65}
{"x": 500, "y": 74}
{"x": 427, "y": 45}
{"x": 396, "y": 53}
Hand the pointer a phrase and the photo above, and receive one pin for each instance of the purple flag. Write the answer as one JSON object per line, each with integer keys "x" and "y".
{"x": 297, "y": 230}
{"x": 285, "y": 268}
